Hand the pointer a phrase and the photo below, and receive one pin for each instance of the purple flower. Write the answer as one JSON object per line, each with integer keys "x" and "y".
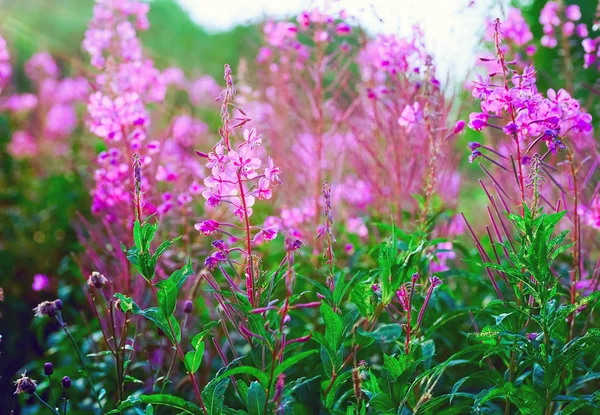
{"x": 478, "y": 120}
{"x": 207, "y": 227}
{"x": 343, "y": 29}
{"x": 511, "y": 128}
{"x": 459, "y": 126}
{"x": 474, "y": 155}
{"x": 213, "y": 260}
{"x": 473, "y": 145}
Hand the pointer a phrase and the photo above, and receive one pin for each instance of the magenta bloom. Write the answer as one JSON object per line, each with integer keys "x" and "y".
{"x": 343, "y": 29}
{"x": 459, "y": 126}
{"x": 573, "y": 12}
{"x": 40, "y": 282}
{"x": 478, "y": 121}
{"x": 5, "y": 68}
{"x": 207, "y": 227}
{"x": 410, "y": 116}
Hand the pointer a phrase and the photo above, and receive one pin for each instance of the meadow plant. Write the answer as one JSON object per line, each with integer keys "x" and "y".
{"x": 306, "y": 256}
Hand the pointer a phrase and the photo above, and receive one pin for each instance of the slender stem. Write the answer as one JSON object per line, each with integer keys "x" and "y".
{"x": 45, "y": 404}
{"x": 248, "y": 242}
{"x": 182, "y": 356}
{"x": 82, "y": 361}
{"x": 51, "y": 389}
{"x": 66, "y": 402}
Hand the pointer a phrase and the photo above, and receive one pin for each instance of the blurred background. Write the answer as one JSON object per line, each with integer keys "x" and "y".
{"x": 38, "y": 243}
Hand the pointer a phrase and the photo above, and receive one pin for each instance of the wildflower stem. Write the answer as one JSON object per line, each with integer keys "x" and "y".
{"x": 251, "y": 291}
{"x": 82, "y": 361}
{"x": 43, "y": 402}
{"x": 182, "y": 356}
{"x": 66, "y": 399}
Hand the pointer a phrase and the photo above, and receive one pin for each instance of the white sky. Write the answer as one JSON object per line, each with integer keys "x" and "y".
{"x": 452, "y": 27}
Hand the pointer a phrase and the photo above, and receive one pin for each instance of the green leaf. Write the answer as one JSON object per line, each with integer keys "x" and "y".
{"x": 137, "y": 235}
{"x": 166, "y": 291}
{"x": 385, "y": 333}
{"x": 246, "y": 370}
{"x": 163, "y": 247}
{"x": 292, "y": 360}
{"x": 148, "y": 232}
{"x": 127, "y": 304}
{"x": 180, "y": 276}
{"x": 159, "y": 399}
{"x": 153, "y": 314}
{"x": 213, "y": 395}
{"x": 194, "y": 359}
{"x": 333, "y": 327}
{"x": 257, "y": 399}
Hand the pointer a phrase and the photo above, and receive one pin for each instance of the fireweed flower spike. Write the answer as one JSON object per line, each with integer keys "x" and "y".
{"x": 236, "y": 179}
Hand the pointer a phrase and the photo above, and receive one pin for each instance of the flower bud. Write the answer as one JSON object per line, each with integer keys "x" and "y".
{"x": 66, "y": 382}
{"x": 188, "y": 307}
{"x": 97, "y": 280}
{"x": 48, "y": 369}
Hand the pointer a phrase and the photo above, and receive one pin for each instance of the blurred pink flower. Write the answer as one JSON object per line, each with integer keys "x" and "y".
{"x": 40, "y": 282}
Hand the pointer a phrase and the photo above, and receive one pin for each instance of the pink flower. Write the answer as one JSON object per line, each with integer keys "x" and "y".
{"x": 459, "y": 126}
{"x": 582, "y": 30}
{"x": 40, "y": 282}
{"x": 410, "y": 116}
{"x": 548, "y": 41}
{"x": 263, "y": 189}
{"x": 343, "y": 29}
{"x": 568, "y": 29}
{"x": 573, "y": 12}
{"x": 589, "y": 45}
{"x": 21, "y": 102}
{"x": 41, "y": 65}
{"x": 264, "y": 55}
{"x": 549, "y": 14}
{"x": 478, "y": 121}
{"x": 272, "y": 172}
{"x": 5, "y": 68}
{"x": 153, "y": 147}
{"x": 357, "y": 226}
{"x": 266, "y": 234}
{"x": 245, "y": 160}
{"x": 22, "y": 145}
{"x": 252, "y": 138}
{"x": 61, "y": 120}
{"x": 207, "y": 227}
{"x": 217, "y": 158}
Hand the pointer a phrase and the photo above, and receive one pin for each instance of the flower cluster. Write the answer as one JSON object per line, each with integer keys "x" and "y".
{"x": 533, "y": 116}
{"x": 238, "y": 177}
{"x": 550, "y": 18}
{"x": 5, "y": 68}
{"x": 47, "y": 118}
